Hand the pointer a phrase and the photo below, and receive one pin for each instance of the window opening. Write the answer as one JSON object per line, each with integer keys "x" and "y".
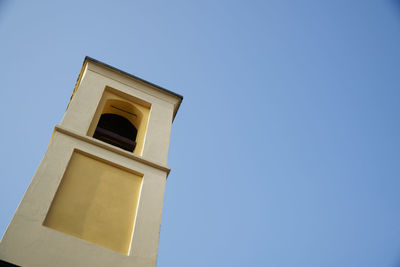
{"x": 116, "y": 130}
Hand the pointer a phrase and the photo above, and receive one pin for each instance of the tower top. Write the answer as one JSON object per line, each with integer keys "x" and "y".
{"x": 90, "y": 63}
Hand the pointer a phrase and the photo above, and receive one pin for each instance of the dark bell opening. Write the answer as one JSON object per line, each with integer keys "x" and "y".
{"x": 116, "y": 130}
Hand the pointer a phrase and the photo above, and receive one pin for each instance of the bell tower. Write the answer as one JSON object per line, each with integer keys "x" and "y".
{"x": 96, "y": 198}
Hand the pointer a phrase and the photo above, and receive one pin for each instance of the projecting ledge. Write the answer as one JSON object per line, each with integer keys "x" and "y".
{"x": 111, "y": 148}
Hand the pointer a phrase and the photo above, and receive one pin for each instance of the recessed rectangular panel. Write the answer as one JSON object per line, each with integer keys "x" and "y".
{"x": 97, "y": 202}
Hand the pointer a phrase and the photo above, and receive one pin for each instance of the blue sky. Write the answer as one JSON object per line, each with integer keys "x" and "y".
{"x": 286, "y": 149}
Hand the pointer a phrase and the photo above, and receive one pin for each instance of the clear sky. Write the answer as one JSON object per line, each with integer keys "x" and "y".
{"x": 286, "y": 149}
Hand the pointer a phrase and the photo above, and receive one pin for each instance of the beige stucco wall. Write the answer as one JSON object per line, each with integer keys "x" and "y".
{"x": 28, "y": 243}
{"x": 31, "y": 240}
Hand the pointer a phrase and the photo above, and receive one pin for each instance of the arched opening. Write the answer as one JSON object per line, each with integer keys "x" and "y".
{"x": 116, "y": 130}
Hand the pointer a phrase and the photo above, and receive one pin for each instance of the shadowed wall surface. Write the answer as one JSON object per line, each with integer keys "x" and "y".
{"x": 96, "y": 202}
